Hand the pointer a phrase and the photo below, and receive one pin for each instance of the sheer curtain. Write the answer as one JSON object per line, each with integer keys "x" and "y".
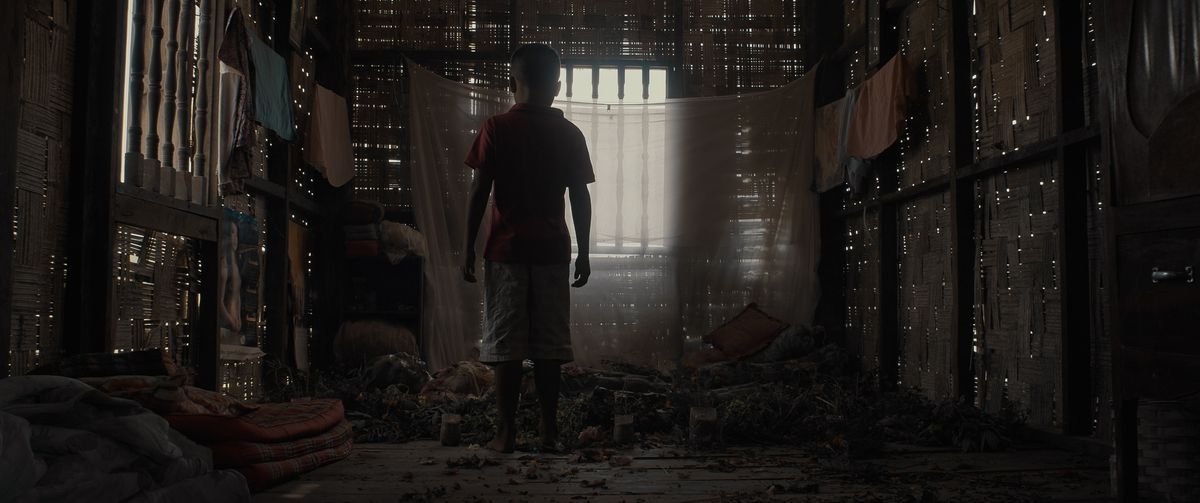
{"x": 701, "y": 206}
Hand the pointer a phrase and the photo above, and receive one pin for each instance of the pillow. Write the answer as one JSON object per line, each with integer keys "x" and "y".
{"x": 747, "y": 333}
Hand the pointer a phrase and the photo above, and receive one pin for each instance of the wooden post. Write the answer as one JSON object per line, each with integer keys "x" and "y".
{"x": 962, "y": 205}
{"x": 623, "y": 429}
{"x": 154, "y": 79}
{"x": 95, "y": 156}
{"x": 1074, "y": 274}
{"x": 451, "y": 429}
{"x": 183, "y": 60}
{"x": 205, "y": 338}
{"x": 200, "y": 164}
{"x": 133, "y": 140}
{"x": 170, "y": 86}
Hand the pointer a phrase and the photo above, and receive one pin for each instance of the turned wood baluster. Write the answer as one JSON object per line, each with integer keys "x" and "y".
{"x": 202, "y": 88}
{"x": 187, "y": 20}
{"x": 133, "y": 139}
{"x": 154, "y": 80}
{"x": 169, "y": 84}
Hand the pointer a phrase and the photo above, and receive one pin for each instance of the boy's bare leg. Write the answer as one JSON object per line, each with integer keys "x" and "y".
{"x": 508, "y": 391}
{"x": 547, "y": 375}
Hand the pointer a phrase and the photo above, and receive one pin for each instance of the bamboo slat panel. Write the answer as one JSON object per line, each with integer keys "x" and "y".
{"x": 1014, "y": 69}
{"x": 733, "y": 46}
{"x": 862, "y": 288}
{"x": 464, "y": 25}
{"x": 925, "y": 147}
{"x": 39, "y": 268}
{"x": 601, "y": 28}
{"x": 1018, "y": 319}
{"x": 927, "y": 332}
{"x": 156, "y": 289}
{"x": 379, "y": 127}
{"x": 379, "y": 124}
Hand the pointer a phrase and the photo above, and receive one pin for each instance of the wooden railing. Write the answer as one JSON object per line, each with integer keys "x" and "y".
{"x": 166, "y": 138}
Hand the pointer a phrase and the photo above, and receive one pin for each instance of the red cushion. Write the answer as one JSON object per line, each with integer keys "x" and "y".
{"x": 261, "y": 476}
{"x": 235, "y": 454}
{"x": 747, "y": 333}
{"x": 272, "y": 422}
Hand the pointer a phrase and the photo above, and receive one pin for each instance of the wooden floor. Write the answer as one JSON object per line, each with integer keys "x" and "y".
{"x": 420, "y": 471}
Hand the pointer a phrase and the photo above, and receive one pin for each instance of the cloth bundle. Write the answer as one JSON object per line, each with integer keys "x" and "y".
{"x": 62, "y": 440}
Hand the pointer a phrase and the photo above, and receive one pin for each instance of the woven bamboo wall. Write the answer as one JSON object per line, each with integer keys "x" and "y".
{"x": 855, "y": 17}
{"x": 156, "y": 287}
{"x": 734, "y": 46}
{"x": 40, "y": 220}
{"x": 463, "y": 25}
{"x": 1013, "y": 46}
{"x": 601, "y": 28}
{"x": 925, "y": 147}
{"x": 729, "y": 46}
{"x": 1018, "y": 319}
{"x": 380, "y": 123}
{"x": 927, "y": 342}
{"x": 862, "y": 288}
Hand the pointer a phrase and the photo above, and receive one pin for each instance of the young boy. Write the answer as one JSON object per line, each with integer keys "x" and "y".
{"x": 530, "y": 155}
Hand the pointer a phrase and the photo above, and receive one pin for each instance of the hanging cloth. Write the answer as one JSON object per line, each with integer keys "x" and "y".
{"x": 273, "y": 102}
{"x": 328, "y": 149}
{"x": 878, "y": 116}
{"x": 235, "y": 106}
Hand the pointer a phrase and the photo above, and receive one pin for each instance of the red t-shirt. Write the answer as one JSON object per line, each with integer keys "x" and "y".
{"x": 534, "y": 153}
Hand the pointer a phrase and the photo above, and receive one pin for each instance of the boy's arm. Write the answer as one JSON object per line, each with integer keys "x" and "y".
{"x": 581, "y": 213}
{"x": 481, "y": 188}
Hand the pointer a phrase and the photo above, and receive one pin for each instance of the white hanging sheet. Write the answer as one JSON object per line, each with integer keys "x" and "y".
{"x": 700, "y": 207}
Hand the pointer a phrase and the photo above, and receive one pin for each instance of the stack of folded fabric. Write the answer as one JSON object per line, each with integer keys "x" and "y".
{"x": 273, "y": 442}
{"x": 362, "y": 221}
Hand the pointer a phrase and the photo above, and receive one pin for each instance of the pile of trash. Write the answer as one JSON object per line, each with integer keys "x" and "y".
{"x": 795, "y": 388}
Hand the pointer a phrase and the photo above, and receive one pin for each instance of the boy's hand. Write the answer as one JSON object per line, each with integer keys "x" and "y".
{"x": 468, "y": 267}
{"x": 583, "y": 269}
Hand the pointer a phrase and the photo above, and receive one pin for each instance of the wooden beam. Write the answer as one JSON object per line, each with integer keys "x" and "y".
{"x": 12, "y": 35}
{"x": 95, "y": 161}
{"x": 143, "y": 212}
{"x": 266, "y": 188}
{"x": 1035, "y": 151}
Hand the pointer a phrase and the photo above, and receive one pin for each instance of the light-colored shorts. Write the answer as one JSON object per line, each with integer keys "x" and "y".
{"x": 528, "y": 313}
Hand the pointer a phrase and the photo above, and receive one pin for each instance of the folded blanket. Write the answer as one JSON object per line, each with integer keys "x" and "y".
{"x": 89, "y": 446}
{"x": 235, "y": 454}
{"x": 272, "y": 422}
{"x": 362, "y": 212}
{"x": 264, "y": 475}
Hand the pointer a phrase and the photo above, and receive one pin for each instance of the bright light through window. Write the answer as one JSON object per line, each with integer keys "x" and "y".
{"x": 628, "y": 147}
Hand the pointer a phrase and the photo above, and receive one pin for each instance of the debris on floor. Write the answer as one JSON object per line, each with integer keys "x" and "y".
{"x": 798, "y": 391}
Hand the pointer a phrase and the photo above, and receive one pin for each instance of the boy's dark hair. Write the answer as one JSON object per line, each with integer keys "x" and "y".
{"x": 536, "y": 66}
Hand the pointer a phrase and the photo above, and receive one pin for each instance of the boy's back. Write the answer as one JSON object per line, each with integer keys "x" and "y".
{"x": 528, "y": 158}
{"x": 533, "y": 153}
